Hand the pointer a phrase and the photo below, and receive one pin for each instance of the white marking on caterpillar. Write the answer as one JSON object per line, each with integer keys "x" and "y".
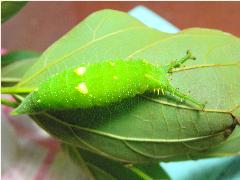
{"x": 115, "y": 77}
{"x": 80, "y": 71}
{"x": 82, "y": 88}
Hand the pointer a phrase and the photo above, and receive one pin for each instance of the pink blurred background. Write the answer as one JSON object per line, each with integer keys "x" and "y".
{"x": 39, "y": 24}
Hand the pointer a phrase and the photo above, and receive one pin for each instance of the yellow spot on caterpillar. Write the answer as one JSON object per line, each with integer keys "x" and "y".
{"x": 115, "y": 77}
{"x": 80, "y": 71}
{"x": 82, "y": 88}
{"x": 112, "y": 63}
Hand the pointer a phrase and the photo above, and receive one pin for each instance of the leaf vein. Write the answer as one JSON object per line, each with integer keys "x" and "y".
{"x": 128, "y": 138}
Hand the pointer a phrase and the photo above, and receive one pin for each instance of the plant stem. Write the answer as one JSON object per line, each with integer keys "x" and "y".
{"x": 16, "y": 90}
{"x": 140, "y": 173}
{"x": 8, "y": 103}
{"x": 10, "y": 80}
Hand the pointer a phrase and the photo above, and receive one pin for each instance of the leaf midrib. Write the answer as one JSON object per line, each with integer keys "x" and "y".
{"x": 130, "y": 138}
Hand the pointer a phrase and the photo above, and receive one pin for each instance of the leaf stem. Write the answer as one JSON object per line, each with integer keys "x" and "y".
{"x": 6, "y": 102}
{"x": 10, "y": 80}
{"x": 140, "y": 173}
{"x": 16, "y": 90}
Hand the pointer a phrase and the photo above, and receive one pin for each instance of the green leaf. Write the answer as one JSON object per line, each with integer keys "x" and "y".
{"x": 103, "y": 168}
{"x": 13, "y": 73}
{"x": 77, "y": 158}
{"x": 63, "y": 168}
{"x": 17, "y": 56}
{"x": 10, "y": 8}
{"x": 146, "y": 128}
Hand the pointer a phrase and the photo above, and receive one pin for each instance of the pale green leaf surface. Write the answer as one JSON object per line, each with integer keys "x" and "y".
{"x": 17, "y": 69}
{"x": 13, "y": 73}
{"x": 146, "y": 128}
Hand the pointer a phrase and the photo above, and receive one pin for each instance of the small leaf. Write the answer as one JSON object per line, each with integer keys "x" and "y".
{"x": 17, "y": 56}
{"x": 77, "y": 158}
{"x": 13, "y": 73}
{"x": 103, "y": 168}
{"x": 10, "y": 8}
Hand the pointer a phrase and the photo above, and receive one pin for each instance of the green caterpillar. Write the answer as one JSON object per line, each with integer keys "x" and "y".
{"x": 100, "y": 84}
